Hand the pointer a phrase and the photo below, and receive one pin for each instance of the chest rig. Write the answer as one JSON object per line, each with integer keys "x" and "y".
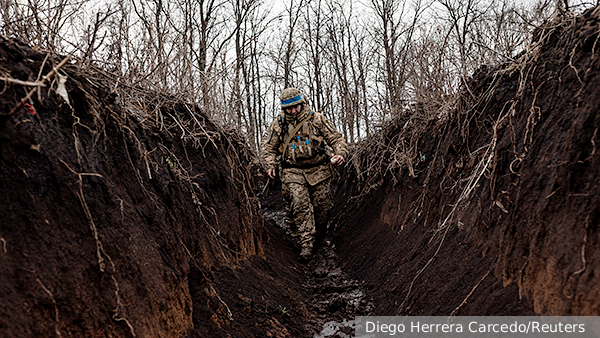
{"x": 303, "y": 143}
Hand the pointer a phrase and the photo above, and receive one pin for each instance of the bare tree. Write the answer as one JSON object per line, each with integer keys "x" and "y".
{"x": 290, "y": 49}
{"x": 463, "y": 17}
{"x": 233, "y": 57}
{"x": 396, "y": 37}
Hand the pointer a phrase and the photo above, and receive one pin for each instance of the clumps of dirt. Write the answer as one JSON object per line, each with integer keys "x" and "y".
{"x": 493, "y": 208}
{"x": 115, "y": 207}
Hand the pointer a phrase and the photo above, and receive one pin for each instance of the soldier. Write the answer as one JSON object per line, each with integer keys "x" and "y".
{"x": 300, "y": 136}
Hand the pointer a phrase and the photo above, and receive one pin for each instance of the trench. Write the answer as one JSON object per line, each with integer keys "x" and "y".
{"x": 115, "y": 222}
{"x": 275, "y": 295}
{"x": 335, "y": 297}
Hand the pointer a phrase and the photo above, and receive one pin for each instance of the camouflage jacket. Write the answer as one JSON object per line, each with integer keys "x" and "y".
{"x": 306, "y": 158}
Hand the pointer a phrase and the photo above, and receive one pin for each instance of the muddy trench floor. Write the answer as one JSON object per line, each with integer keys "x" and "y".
{"x": 335, "y": 297}
{"x": 277, "y": 296}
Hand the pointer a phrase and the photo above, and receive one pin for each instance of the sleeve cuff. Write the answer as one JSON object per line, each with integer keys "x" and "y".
{"x": 344, "y": 155}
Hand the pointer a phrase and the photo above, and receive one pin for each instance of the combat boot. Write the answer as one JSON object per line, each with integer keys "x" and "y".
{"x": 305, "y": 254}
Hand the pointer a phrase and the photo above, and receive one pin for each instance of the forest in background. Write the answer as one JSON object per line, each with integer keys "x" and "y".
{"x": 360, "y": 63}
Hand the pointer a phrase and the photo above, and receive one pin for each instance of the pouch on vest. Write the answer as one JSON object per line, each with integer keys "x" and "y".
{"x": 304, "y": 144}
{"x": 318, "y": 174}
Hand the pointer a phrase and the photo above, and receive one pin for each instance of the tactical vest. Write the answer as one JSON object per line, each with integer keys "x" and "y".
{"x": 305, "y": 148}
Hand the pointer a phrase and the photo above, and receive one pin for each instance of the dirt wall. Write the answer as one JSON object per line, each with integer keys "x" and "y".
{"x": 109, "y": 203}
{"x": 487, "y": 206}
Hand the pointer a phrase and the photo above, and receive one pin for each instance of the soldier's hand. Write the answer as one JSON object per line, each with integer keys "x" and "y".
{"x": 337, "y": 160}
{"x": 271, "y": 173}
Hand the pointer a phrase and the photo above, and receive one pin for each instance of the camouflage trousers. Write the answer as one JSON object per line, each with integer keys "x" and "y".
{"x": 307, "y": 210}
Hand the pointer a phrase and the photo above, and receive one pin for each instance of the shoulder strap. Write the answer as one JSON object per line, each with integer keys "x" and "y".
{"x": 291, "y": 135}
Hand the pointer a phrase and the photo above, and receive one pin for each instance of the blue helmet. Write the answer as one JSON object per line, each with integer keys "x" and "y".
{"x": 291, "y": 97}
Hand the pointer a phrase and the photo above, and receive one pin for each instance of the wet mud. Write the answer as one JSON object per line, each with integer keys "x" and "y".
{"x": 334, "y": 297}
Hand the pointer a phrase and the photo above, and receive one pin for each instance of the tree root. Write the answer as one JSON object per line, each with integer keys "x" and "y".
{"x": 56, "y": 314}
{"x": 469, "y": 295}
{"x": 100, "y": 252}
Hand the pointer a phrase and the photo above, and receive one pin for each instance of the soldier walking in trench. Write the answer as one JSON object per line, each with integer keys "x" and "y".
{"x": 300, "y": 136}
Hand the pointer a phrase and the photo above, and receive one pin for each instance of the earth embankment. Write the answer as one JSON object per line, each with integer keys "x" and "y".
{"x": 490, "y": 204}
{"x": 110, "y": 203}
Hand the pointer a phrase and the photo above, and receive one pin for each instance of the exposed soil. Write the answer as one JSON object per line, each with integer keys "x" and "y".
{"x": 130, "y": 213}
{"x": 124, "y": 214}
{"x": 276, "y": 296}
{"x": 108, "y": 208}
{"x": 501, "y": 217}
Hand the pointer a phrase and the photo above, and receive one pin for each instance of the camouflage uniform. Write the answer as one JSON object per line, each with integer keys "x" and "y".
{"x": 306, "y": 171}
